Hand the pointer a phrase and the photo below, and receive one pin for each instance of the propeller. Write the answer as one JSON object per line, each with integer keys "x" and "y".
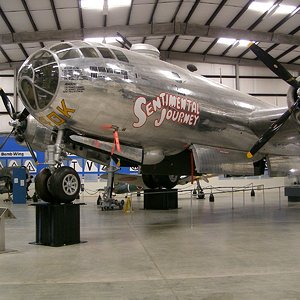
{"x": 17, "y": 123}
{"x": 7, "y": 137}
{"x": 125, "y": 42}
{"x": 285, "y": 75}
{"x": 274, "y": 66}
{"x": 8, "y": 105}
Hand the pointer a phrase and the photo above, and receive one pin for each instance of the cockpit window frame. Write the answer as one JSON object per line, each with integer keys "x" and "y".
{"x": 39, "y": 105}
{"x": 83, "y": 49}
{"x": 69, "y": 50}
{"x": 120, "y": 55}
{"x": 59, "y": 46}
{"x": 104, "y": 51}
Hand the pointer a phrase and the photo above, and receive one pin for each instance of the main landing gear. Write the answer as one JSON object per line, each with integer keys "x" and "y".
{"x": 57, "y": 184}
{"x": 155, "y": 181}
{"x": 62, "y": 186}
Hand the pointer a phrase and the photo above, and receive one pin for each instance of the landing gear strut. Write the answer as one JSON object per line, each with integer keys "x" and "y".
{"x": 57, "y": 184}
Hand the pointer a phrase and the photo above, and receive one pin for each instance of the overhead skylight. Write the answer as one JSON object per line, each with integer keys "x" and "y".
{"x": 261, "y": 6}
{"x": 98, "y": 4}
{"x": 105, "y": 40}
{"x": 244, "y": 43}
{"x": 91, "y": 4}
{"x": 237, "y": 43}
{"x": 285, "y": 9}
{"x": 226, "y": 41}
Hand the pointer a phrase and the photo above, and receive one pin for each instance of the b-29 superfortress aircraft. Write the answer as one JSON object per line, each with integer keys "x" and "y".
{"x": 101, "y": 102}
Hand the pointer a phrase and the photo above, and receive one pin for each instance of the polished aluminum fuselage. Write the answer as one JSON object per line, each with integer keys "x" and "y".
{"x": 92, "y": 105}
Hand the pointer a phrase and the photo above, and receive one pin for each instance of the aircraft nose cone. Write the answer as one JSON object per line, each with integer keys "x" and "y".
{"x": 38, "y": 80}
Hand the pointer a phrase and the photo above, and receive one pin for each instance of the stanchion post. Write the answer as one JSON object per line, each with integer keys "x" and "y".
{"x": 264, "y": 195}
{"x": 191, "y": 209}
{"x": 279, "y": 196}
{"x": 244, "y": 197}
{"x": 232, "y": 198}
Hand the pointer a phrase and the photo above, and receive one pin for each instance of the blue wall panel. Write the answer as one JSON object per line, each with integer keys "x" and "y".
{"x": 13, "y": 154}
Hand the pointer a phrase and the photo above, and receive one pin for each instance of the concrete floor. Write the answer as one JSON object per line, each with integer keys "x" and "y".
{"x": 209, "y": 251}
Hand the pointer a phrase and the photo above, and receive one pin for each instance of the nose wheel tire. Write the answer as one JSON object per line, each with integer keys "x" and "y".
{"x": 41, "y": 185}
{"x": 64, "y": 184}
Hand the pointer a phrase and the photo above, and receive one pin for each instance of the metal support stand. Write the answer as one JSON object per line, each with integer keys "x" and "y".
{"x": 211, "y": 197}
{"x": 57, "y": 224}
{"x": 292, "y": 192}
{"x": 161, "y": 199}
{"x": 5, "y": 213}
{"x": 107, "y": 202}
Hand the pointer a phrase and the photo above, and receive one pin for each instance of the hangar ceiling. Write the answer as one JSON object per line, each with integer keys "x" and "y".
{"x": 198, "y": 30}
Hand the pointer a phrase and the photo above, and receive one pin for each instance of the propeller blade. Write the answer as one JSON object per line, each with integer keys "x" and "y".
{"x": 124, "y": 39}
{"x": 123, "y": 44}
{"x": 23, "y": 115}
{"x": 8, "y": 105}
{"x": 274, "y": 66}
{"x": 7, "y": 137}
{"x": 31, "y": 151}
{"x": 273, "y": 129}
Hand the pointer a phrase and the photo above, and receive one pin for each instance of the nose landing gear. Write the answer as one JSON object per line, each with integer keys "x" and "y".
{"x": 57, "y": 184}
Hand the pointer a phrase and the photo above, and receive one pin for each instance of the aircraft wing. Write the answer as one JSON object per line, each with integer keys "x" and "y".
{"x": 134, "y": 179}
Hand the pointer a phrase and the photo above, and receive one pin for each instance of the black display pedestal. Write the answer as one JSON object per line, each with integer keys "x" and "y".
{"x": 57, "y": 224}
{"x": 160, "y": 199}
{"x": 293, "y": 193}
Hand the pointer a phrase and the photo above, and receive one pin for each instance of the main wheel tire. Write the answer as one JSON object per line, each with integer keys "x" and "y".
{"x": 149, "y": 181}
{"x": 41, "y": 185}
{"x": 65, "y": 184}
{"x": 167, "y": 181}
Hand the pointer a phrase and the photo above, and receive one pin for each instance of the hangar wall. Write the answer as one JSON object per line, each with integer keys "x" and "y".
{"x": 256, "y": 81}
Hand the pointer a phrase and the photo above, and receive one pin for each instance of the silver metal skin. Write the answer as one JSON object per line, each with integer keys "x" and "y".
{"x": 92, "y": 96}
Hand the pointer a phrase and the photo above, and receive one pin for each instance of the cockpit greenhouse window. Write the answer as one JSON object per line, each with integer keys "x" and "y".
{"x": 68, "y": 54}
{"x": 120, "y": 55}
{"x": 38, "y": 80}
{"x": 105, "y": 52}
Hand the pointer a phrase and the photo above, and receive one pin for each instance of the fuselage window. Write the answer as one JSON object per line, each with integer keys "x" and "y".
{"x": 105, "y": 52}
{"x": 120, "y": 55}
{"x": 60, "y": 47}
{"x": 68, "y": 54}
{"x": 89, "y": 52}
